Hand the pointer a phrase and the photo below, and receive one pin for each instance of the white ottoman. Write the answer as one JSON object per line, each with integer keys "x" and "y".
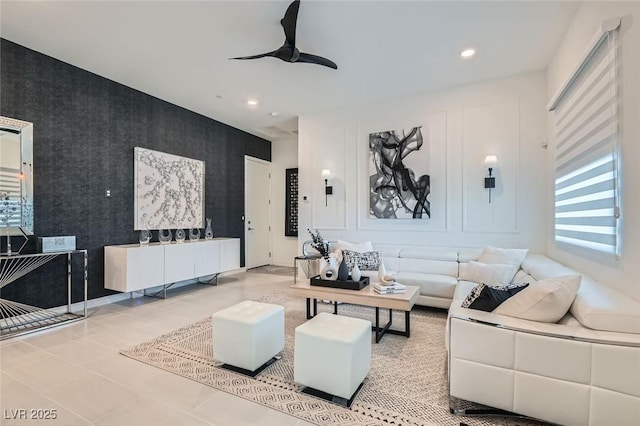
{"x": 332, "y": 354}
{"x": 248, "y": 334}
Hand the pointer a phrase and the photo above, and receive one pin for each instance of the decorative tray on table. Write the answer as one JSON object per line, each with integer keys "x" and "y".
{"x": 347, "y": 285}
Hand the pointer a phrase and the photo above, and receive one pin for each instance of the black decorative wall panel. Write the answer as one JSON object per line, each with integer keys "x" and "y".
{"x": 85, "y": 129}
{"x": 291, "y": 203}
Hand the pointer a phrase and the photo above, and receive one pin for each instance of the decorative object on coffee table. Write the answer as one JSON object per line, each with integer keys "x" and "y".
{"x": 329, "y": 269}
{"x": 343, "y": 271}
{"x": 355, "y": 273}
{"x": 180, "y": 235}
{"x": 346, "y": 284}
{"x": 320, "y": 244}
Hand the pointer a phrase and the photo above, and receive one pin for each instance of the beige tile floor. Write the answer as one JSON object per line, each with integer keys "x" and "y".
{"x": 76, "y": 369}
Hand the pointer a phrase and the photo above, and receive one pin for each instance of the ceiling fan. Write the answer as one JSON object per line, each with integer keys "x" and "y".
{"x": 288, "y": 52}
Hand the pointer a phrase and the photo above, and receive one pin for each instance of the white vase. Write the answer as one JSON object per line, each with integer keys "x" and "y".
{"x": 329, "y": 270}
{"x": 355, "y": 273}
{"x": 383, "y": 278}
{"x": 381, "y": 272}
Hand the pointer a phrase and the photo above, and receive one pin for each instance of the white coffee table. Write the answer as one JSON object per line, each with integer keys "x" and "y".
{"x": 366, "y": 297}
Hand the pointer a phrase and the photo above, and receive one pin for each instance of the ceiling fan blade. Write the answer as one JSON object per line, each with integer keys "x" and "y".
{"x": 289, "y": 22}
{"x": 315, "y": 59}
{"x": 261, "y": 55}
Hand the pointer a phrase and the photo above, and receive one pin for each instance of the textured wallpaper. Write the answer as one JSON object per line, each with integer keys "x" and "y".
{"x": 85, "y": 129}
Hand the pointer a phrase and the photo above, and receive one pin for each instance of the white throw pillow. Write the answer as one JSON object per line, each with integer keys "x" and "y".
{"x": 503, "y": 256}
{"x": 483, "y": 273}
{"x": 546, "y": 300}
{"x": 361, "y": 247}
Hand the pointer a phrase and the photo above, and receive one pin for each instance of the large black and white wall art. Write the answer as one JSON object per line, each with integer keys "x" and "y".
{"x": 399, "y": 180}
{"x": 169, "y": 191}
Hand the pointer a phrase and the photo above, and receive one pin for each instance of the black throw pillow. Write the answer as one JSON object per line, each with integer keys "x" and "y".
{"x": 486, "y": 298}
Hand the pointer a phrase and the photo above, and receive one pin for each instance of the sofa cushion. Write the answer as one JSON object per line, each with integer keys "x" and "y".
{"x": 359, "y": 247}
{"x": 522, "y": 277}
{"x": 495, "y": 274}
{"x": 430, "y": 284}
{"x": 503, "y": 256}
{"x": 427, "y": 266}
{"x": 602, "y": 308}
{"x": 447, "y": 254}
{"x": 486, "y": 298}
{"x": 541, "y": 267}
{"x": 468, "y": 253}
{"x": 546, "y": 300}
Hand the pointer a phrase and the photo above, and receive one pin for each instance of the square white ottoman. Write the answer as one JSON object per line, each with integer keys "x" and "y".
{"x": 247, "y": 335}
{"x": 332, "y": 354}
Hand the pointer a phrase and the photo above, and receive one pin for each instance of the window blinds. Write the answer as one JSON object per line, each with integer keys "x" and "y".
{"x": 586, "y": 166}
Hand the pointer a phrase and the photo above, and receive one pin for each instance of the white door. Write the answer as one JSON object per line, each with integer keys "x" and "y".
{"x": 257, "y": 223}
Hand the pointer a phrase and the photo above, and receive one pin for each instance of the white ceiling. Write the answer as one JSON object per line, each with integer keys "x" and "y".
{"x": 178, "y": 51}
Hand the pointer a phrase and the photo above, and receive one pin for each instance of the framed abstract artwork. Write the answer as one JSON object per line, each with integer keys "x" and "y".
{"x": 399, "y": 180}
{"x": 168, "y": 191}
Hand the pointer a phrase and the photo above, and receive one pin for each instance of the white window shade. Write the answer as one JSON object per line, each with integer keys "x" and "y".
{"x": 586, "y": 167}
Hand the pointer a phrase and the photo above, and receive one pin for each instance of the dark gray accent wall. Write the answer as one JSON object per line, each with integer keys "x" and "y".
{"x": 85, "y": 129}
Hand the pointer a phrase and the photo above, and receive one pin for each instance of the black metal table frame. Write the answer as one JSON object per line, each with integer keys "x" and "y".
{"x": 380, "y": 331}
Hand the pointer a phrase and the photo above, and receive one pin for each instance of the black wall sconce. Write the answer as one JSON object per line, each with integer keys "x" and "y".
{"x": 490, "y": 182}
{"x": 328, "y": 190}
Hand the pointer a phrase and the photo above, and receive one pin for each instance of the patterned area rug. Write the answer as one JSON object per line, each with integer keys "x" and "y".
{"x": 407, "y": 384}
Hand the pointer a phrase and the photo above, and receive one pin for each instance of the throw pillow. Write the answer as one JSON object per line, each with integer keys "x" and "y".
{"x": 545, "y": 300}
{"x": 486, "y": 298}
{"x": 513, "y": 257}
{"x": 494, "y": 274}
{"x": 369, "y": 261}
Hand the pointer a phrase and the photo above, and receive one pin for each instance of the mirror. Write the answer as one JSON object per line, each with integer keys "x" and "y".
{"x": 16, "y": 177}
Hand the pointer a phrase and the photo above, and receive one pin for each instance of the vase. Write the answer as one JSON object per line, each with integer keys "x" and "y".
{"x": 208, "y": 232}
{"x": 329, "y": 269}
{"x": 145, "y": 236}
{"x": 355, "y": 273}
{"x": 343, "y": 271}
{"x": 164, "y": 235}
{"x": 194, "y": 234}
{"x": 180, "y": 235}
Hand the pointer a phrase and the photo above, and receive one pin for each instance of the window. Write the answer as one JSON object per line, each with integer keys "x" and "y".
{"x": 587, "y": 207}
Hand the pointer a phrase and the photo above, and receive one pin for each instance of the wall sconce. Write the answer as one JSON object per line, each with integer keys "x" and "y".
{"x": 490, "y": 182}
{"x": 328, "y": 190}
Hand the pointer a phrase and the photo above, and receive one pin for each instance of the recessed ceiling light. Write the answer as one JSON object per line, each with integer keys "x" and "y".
{"x": 252, "y": 102}
{"x": 467, "y": 53}
{"x": 274, "y": 113}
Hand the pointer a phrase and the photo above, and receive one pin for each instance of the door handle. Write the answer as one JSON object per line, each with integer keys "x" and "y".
{"x": 251, "y": 229}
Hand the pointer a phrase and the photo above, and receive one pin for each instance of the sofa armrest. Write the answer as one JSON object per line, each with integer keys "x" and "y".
{"x": 616, "y": 339}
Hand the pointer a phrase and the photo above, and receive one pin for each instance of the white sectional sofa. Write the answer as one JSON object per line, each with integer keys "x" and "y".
{"x": 583, "y": 370}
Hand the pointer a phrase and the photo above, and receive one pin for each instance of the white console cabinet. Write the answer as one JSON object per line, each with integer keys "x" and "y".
{"x": 133, "y": 267}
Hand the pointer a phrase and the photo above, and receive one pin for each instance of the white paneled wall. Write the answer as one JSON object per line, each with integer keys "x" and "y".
{"x": 328, "y": 149}
{"x": 461, "y": 126}
{"x": 492, "y": 129}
